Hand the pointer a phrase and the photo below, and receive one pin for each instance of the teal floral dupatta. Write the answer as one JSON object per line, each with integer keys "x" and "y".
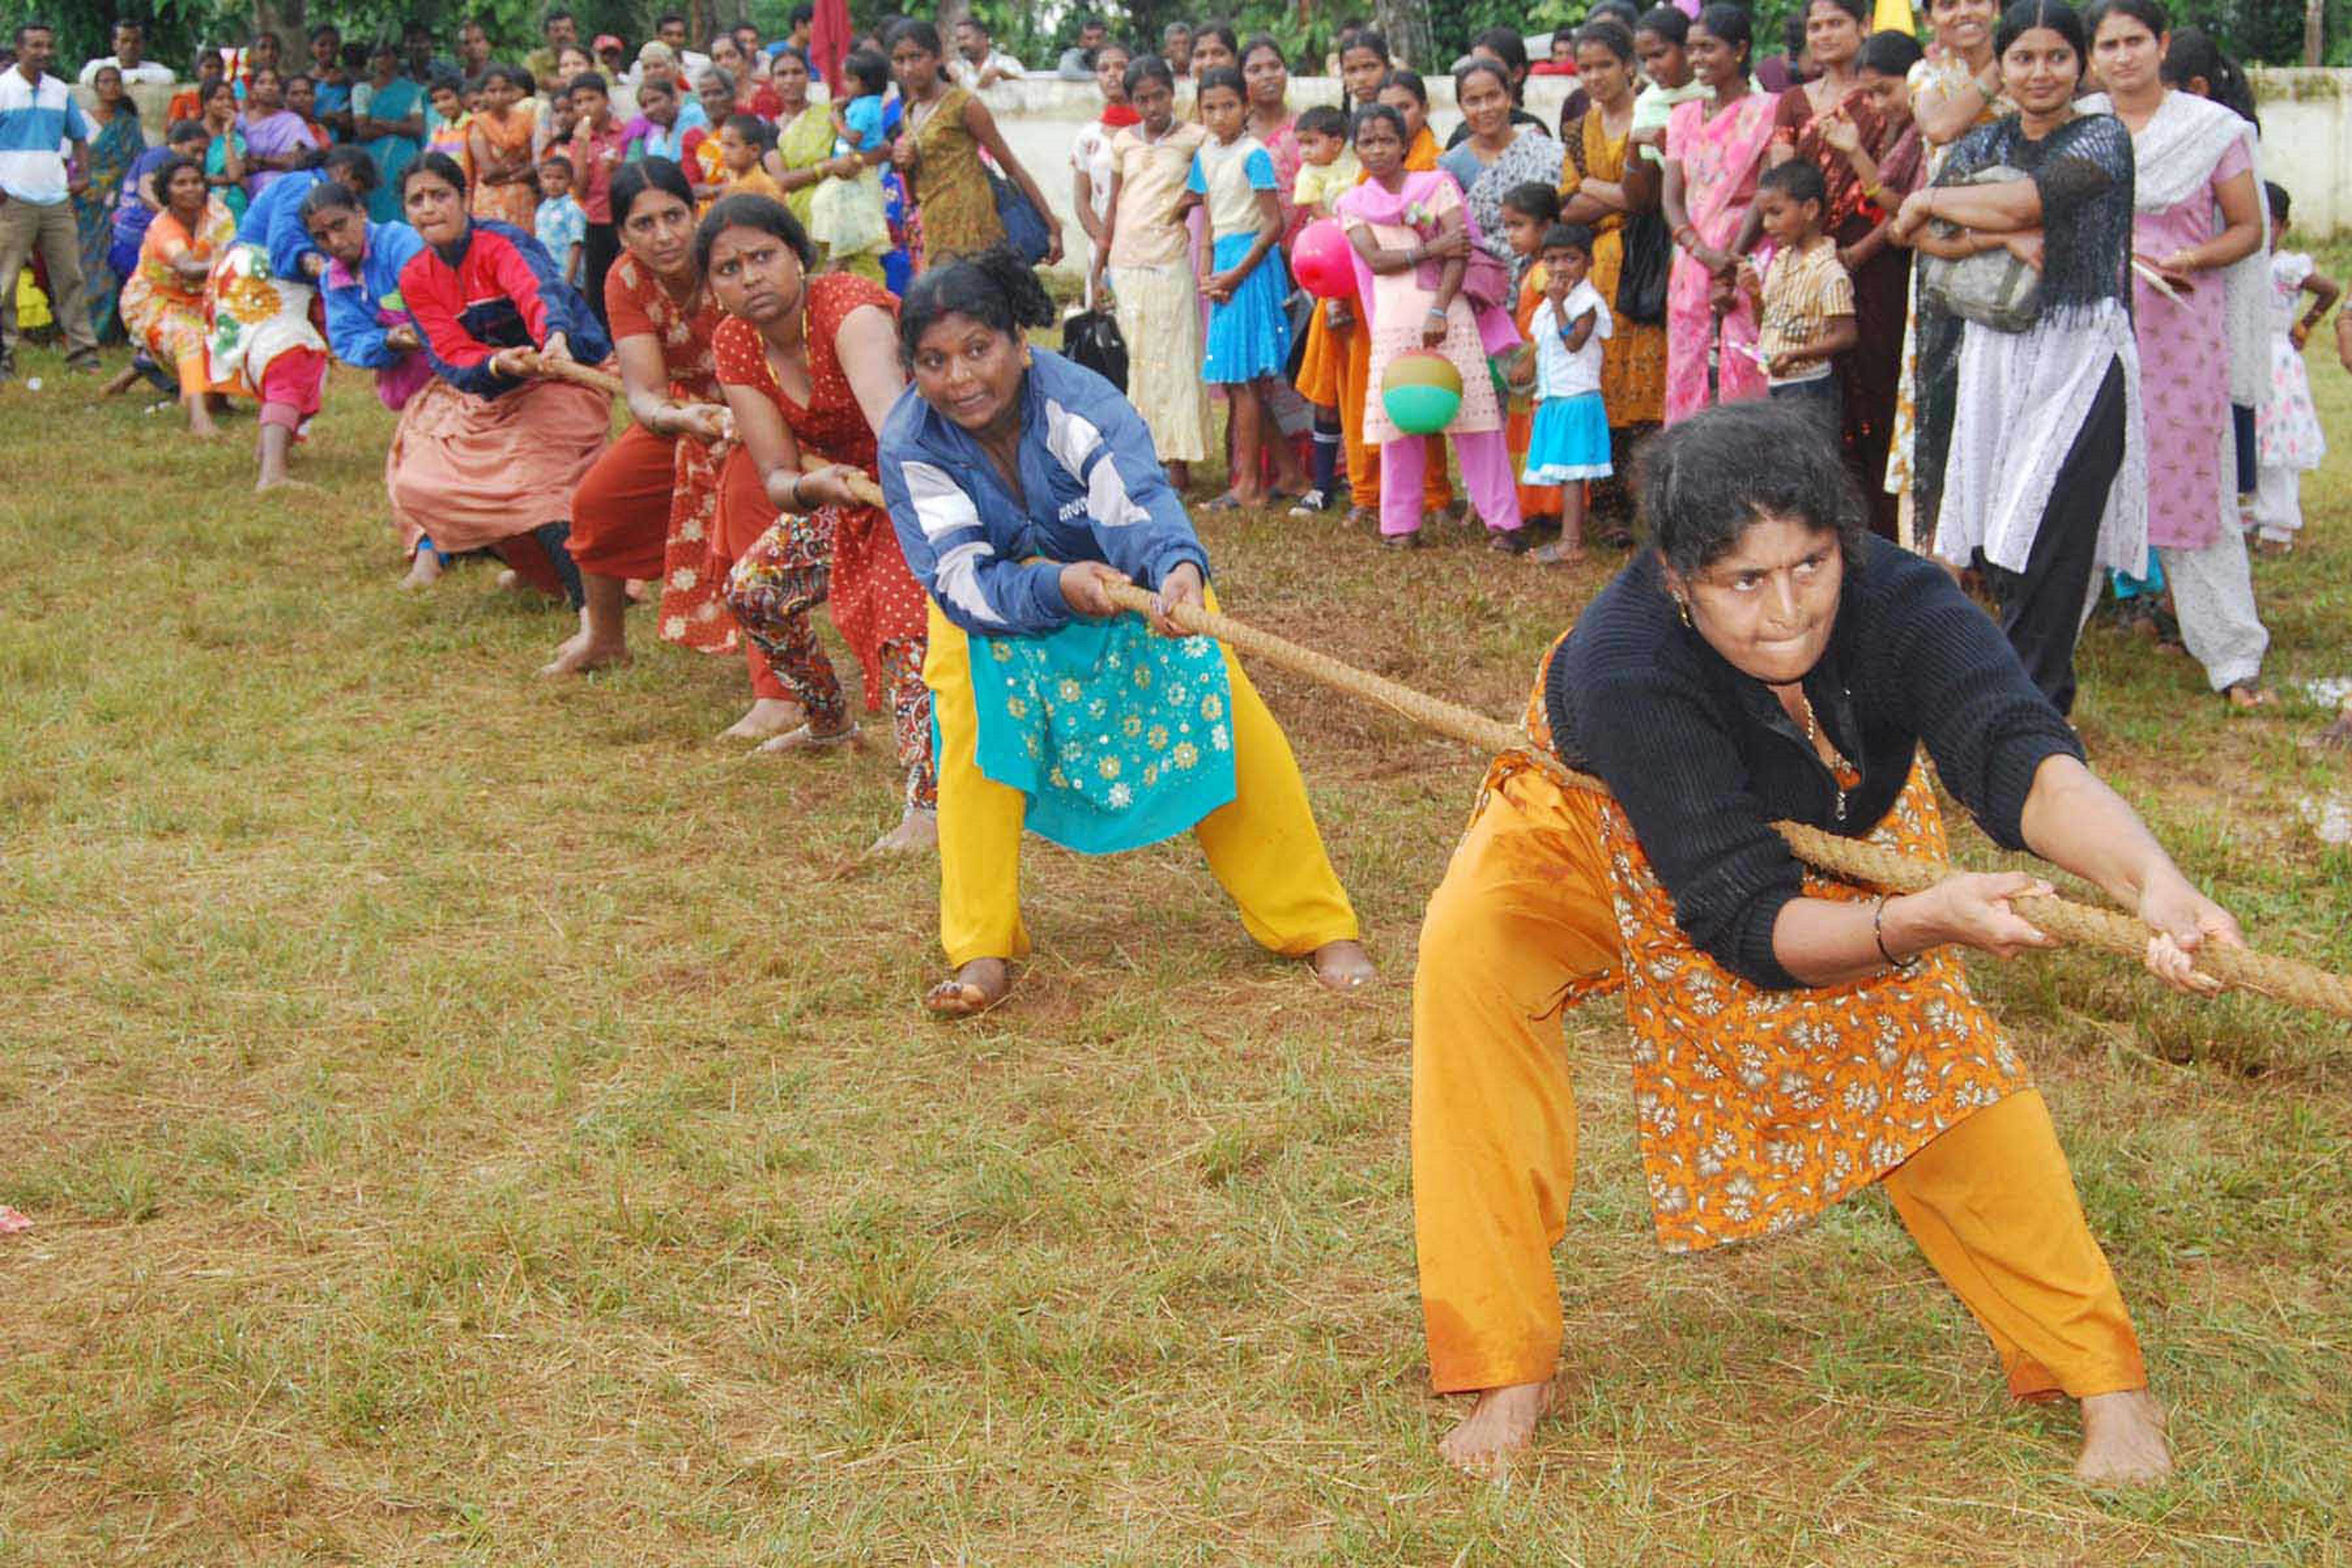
{"x": 1118, "y": 738}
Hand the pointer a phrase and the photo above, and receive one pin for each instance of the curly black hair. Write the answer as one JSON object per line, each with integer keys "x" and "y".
{"x": 1705, "y": 479}
{"x": 995, "y": 288}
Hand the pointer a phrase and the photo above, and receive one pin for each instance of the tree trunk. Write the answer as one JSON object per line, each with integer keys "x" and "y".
{"x": 283, "y": 18}
{"x": 2314, "y": 19}
{"x": 1405, "y": 25}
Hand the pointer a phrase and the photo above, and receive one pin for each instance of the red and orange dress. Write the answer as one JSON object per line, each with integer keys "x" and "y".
{"x": 846, "y": 556}
{"x": 648, "y": 509}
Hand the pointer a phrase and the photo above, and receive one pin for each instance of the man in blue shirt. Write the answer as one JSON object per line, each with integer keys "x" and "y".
{"x": 37, "y": 116}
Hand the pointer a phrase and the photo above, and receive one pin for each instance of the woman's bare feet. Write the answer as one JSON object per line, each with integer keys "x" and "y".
{"x": 2122, "y": 1440}
{"x": 917, "y": 831}
{"x": 1498, "y": 1428}
{"x": 971, "y": 990}
{"x": 768, "y": 716}
{"x": 1342, "y": 966}
{"x": 2248, "y": 694}
{"x": 581, "y": 654}
{"x": 200, "y": 420}
{"x": 807, "y": 738}
{"x": 423, "y": 570}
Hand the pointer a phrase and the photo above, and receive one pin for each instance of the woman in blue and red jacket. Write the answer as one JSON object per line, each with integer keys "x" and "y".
{"x": 494, "y": 455}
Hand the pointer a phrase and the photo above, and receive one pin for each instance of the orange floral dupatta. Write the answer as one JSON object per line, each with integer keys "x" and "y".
{"x": 1756, "y": 1109}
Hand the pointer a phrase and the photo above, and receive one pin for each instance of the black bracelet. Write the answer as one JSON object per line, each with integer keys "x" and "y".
{"x": 1878, "y": 936}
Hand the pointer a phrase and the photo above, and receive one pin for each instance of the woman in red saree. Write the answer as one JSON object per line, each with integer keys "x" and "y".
{"x": 810, "y": 368}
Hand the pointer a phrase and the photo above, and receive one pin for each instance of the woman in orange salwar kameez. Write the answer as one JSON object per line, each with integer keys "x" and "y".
{"x": 1794, "y": 1039}
{"x": 163, "y": 299}
{"x": 499, "y": 137}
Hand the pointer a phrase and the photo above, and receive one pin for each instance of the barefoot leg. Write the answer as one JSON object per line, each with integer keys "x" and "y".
{"x": 1498, "y": 1428}
{"x": 604, "y": 636}
{"x": 1342, "y": 966}
{"x": 200, "y": 418}
{"x": 2122, "y": 1440}
{"x": 971, "y": 990}
{"x": 275, "y": 441}
{"x": 769, "y": 717}
{"x": 423, "y": 567}
{"x": 918, "y": 830}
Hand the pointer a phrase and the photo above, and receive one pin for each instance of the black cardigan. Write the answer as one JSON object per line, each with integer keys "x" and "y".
{"x": 1703, "y": 759}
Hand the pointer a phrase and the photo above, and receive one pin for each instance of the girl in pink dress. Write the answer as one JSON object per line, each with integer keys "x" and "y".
{"x": 1715, "y": 147}
{"x": 1412, "y": 234}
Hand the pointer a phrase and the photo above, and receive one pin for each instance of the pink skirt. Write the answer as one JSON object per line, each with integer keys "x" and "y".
{"x": 470, "y": 472}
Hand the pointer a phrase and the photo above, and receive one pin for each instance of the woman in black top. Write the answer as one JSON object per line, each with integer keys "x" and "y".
{"x": 1795, "y": 1039}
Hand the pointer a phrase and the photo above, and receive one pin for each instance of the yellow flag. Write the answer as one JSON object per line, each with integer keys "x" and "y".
{"x": 1894, "y": 16}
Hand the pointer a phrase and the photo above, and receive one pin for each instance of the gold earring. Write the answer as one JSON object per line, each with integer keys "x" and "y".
{"x": 1681, "y": 608}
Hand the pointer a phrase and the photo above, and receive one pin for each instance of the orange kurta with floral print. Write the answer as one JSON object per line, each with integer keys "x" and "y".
{"x": 1756, "y": 1110}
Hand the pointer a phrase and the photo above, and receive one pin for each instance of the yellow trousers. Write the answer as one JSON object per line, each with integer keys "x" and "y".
{"x": 1262, "y": 846}
{"x": 1524, "y": 910}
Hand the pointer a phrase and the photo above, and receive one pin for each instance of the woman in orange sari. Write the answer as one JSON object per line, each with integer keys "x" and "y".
{"x": 1607, "y": 188}
{"x": 1795, "y": 1039}
{"x": 163, "y": 299}
{"x": 500, "y": 137}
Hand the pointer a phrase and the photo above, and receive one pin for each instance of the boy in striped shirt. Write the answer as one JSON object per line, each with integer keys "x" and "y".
{"x": 1804, "y": 299}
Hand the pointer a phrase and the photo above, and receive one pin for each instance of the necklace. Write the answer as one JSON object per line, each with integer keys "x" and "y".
{"x": 1842, "y": 774}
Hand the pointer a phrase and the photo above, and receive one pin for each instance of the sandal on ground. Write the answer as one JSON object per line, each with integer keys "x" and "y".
{"x": 1400, "y": 541}
{"x": 1559, "y": 552}
{"x": 1363, "y": 517}
{"x": 1509, "y": 542}
{"x": 807, "y": 738}
{"x": 1225, "y": 502}
{"x": 1619, "y": 538}
{"x": 1311, "y": 504}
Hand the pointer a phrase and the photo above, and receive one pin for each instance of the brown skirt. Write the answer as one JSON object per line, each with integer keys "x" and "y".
{"x": 469, "y": 472}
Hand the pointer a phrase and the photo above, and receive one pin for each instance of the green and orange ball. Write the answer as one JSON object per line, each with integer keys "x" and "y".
{"x": 1422, "y": 392}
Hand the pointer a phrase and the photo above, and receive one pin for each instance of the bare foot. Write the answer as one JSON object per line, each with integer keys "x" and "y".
{"x": 2122, "y": 1440}
{"x": 971, "y": 990}
{"x": 768, "y": 716}
{"x": 2249, "y": 694}
{"x": 1497, "y": 1429}
{"x": 805, "y": 739}
{"x": 917, "y": 831}
{"x": 1559, "y": 552}
{"x": 509, "y": 579}
{"x": 1342, "y": 966}
{"x": 200, "y": 422}
{"x": 424, "y": 570}
{"x": 124, "y": 379}
{"x": 581, "y": 655}
{"x": 635, "y": 590}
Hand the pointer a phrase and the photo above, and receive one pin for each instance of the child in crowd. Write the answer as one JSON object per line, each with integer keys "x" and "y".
{"x": 2287, "y": 439}
{"x": 1804, "y": 299}
{"x": 1144, "y": 255}
{"x": 1327, "y": 171}
{"x": 743, "y": 141}
{"x": 1244, "y": 280}
{"x": 449, "y": 125}
{"x": 1571, "y": 440}
{"x": 1529, "y": 211}
{"x": 560, "y": 223}
{"x": 847, "y": 217}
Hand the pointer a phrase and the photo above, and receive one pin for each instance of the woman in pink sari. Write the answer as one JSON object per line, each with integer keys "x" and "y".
{"x": 1715, "y": 148}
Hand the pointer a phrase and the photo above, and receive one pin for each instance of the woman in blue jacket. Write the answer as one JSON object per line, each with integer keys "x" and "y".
{"x": 1022, "y": 487}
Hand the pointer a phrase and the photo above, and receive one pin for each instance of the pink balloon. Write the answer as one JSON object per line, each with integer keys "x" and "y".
{"x": 1321, "y": 263}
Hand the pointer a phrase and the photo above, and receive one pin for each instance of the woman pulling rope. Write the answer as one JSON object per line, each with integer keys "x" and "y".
{"x": 1796, "y": 1039}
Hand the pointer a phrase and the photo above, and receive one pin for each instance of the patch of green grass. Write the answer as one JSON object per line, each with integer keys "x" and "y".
{"x": 471, "y": 1120}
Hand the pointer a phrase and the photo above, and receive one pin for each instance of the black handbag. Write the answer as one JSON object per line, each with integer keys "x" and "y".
{"x": 1641, "y": 278}
{"x": 1092, "y": 338}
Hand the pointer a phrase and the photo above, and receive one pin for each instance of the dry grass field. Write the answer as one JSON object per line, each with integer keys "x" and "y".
{"x": 470, "y": 1121}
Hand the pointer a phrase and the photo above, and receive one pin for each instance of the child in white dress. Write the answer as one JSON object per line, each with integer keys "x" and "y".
{"x": 1569, "y": 443}
{"x": 2287, "y": 439}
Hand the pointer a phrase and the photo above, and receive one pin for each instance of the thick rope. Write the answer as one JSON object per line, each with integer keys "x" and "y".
{"x": 1848, "y": 859}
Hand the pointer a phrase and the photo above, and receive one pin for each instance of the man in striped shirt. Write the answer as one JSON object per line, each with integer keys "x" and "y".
{"x": 38, "y": 117}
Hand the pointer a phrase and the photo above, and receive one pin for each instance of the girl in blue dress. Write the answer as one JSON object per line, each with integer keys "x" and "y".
{"x": 1244, "y": 282}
